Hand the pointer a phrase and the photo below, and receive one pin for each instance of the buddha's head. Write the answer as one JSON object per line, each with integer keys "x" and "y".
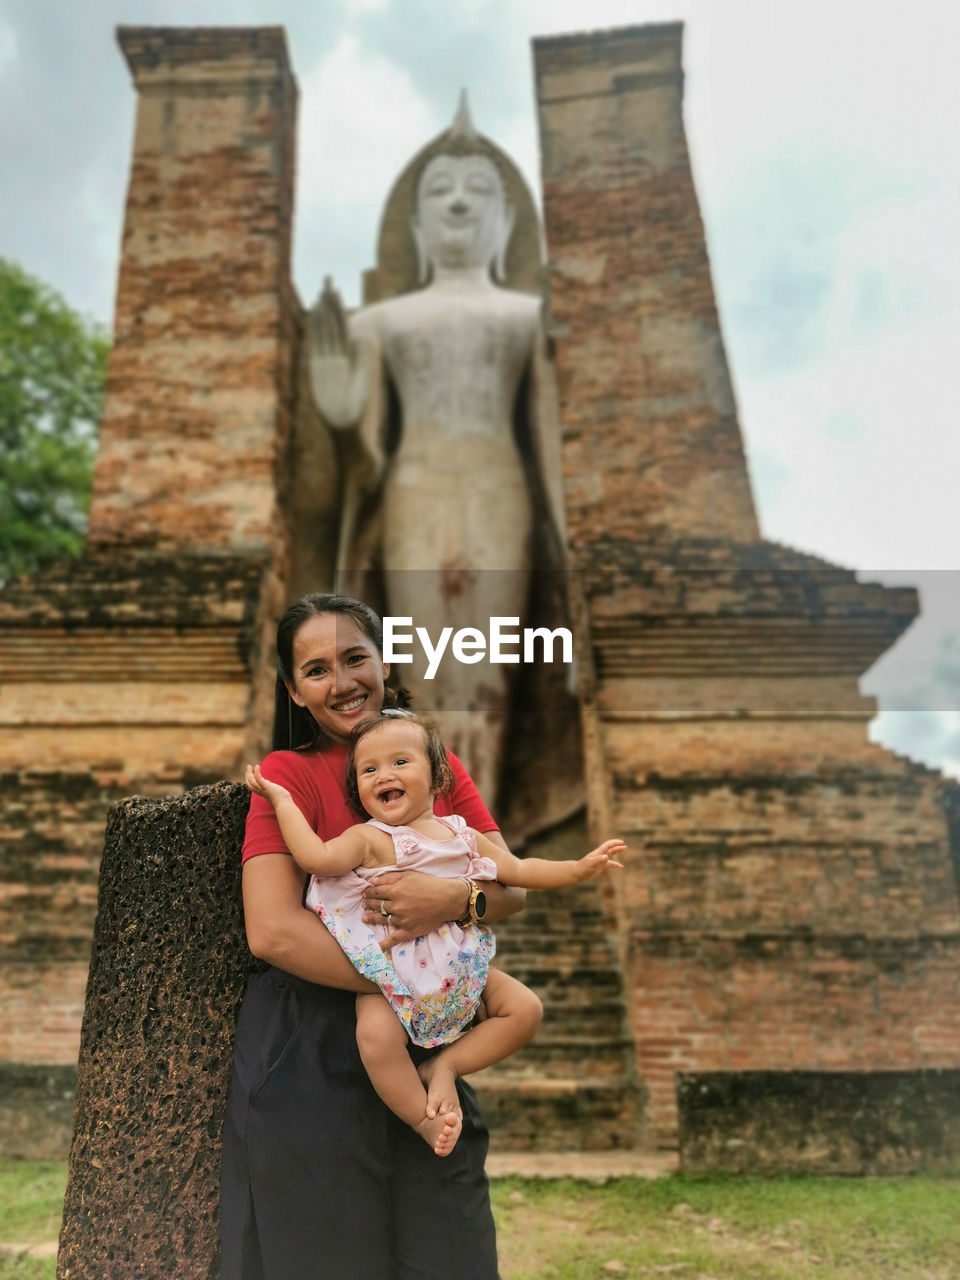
{"x": 461, "y": 215}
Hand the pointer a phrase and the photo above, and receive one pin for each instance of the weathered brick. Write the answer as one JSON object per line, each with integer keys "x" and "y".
{"x": 789, "y": 901}
{"x": 200, "y": 383}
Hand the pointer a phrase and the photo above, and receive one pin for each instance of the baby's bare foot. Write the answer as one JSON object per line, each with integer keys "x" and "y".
{"x": 441, "y": 1086}
{"x": 441, "y": 1132}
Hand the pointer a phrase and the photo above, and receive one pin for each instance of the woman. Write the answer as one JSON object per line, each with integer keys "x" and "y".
{"x": 319, "y": 1178}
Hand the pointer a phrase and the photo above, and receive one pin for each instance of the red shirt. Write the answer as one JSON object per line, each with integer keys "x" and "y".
{"x": 318, "y": 783}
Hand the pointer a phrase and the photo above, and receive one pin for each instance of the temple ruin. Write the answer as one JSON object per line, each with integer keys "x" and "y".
{"x": 770, "y": 982}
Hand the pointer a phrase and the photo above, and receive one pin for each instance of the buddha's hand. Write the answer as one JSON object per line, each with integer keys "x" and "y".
{"x": 337, "y": 374}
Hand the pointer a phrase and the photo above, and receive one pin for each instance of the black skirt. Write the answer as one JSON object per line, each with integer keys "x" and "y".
{"x": 320, "y": 1181}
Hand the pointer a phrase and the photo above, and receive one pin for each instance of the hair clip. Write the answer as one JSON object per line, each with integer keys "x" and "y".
{"x": 397, "y": 711}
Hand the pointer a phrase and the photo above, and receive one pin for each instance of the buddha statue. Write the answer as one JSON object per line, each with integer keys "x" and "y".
{"x": 450, "y": 467}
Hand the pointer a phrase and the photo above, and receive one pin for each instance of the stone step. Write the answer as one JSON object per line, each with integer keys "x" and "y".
{"x": 574, "y": 1087}
{"x": 577, "y": 1008}
{"x": 571, "y": 923}
{"x": 575, "y": 905}
{"x": 561, "y": 1114}
{"x": 591, "y": 968}
{"x": 592, "y": 926}
{"x": 579, "y": 952}
{"x": 588, "y": 913}
{"x": 589, "y": 1057}
{"x": 582, "y": 1018}
{"x": 578, "y": 985}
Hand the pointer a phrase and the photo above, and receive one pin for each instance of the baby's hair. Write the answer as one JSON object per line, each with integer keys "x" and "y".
{"x": 441, "y": 775}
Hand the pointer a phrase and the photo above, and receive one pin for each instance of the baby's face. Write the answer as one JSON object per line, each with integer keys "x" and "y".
{"x": 394, "y": 777}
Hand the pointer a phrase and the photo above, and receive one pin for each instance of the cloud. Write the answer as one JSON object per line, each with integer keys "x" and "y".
{"x": 929, "y": 737}
{"x": 838, "y": 280}
{"x": 861, "y": 443}
{"x": 9, "y": 48}
{"x": 857, "y": 77}
{"x": 361, "y": 118}
{"x": 917, "y": 682}
{"x": 831, "y": 217}
{"x": 823, "y": 144}
{"x": 819, "y": 244}
{"x": 922, "y": 671}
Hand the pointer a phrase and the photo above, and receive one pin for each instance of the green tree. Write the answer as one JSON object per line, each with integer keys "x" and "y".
{"x": 52, "y": 373}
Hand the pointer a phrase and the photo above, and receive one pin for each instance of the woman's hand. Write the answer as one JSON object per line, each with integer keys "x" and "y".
{"x": 283, "y": 932}
{"x": 412, "y": 903}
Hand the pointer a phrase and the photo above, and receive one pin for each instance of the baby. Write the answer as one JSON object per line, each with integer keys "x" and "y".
{"x": 430, "y": 989}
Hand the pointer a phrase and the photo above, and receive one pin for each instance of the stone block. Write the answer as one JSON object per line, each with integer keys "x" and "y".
{"x": 167, "y": 972}
{"x": 849, "y": 1122}
{"x": 36, "y": 1111}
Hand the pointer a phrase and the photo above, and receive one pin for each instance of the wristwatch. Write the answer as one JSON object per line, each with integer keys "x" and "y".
{"x": 476, "y": 904}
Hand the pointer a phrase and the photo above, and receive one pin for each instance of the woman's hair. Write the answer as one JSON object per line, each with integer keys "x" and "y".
{"x": 441, "y": 775}
{"x": 293, "y": 726}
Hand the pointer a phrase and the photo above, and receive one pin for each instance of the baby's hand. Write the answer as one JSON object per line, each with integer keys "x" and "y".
{"x": 601, "y": 859}
{"x": 263, "y": 787}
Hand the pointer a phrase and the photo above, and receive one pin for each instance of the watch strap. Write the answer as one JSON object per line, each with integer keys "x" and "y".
{"x": 470, "y": 915}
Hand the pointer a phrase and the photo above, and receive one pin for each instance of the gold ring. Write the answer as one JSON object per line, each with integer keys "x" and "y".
{"x": 383, "y": 908}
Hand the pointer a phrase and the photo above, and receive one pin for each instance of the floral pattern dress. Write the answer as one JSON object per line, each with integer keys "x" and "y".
{"x": 434, "y": 983}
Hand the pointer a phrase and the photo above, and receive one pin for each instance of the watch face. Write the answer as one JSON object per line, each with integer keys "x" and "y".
{"x": 480, "y": 904}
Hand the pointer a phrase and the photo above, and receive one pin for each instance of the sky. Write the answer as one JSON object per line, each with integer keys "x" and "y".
{"x": 823, "y": 138}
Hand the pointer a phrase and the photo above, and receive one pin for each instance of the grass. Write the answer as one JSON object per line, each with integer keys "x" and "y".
{"x": 31, "y": 1206}
{"x": 715, "y": 1228}
{"x": 678, "y": 1228}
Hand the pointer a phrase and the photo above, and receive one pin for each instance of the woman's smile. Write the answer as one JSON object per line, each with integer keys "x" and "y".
{"x": 351, "y": 704}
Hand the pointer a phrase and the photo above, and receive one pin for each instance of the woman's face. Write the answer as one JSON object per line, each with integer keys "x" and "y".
{"x": 338, "y": 674}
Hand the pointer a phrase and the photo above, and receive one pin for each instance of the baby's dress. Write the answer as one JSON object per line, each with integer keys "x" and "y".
{"x": 433, "y": 983}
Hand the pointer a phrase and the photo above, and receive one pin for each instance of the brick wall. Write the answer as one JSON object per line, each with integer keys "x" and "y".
{"x": 792, "y": 904}
{"x": 52, "y": 824}
{"x": 118, "y": 674}
{"x": 791, "y": 922}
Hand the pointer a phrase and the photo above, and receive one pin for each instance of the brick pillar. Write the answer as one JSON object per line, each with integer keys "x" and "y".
{"x": 199, "y": 387}
{"x": 788, "y": 909}
{"x": 651, "y": 442}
